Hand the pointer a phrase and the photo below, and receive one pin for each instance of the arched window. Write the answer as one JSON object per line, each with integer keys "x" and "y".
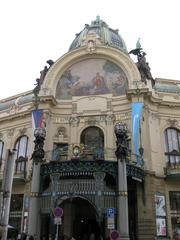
{"x": 1, "y": 151}
{"x": 93, "y": 140}
{"x": 21, "y": 147}
{"x": 172, "y": 146}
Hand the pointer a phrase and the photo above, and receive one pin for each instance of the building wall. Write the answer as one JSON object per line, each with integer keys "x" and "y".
{"x": 161, "y": 110}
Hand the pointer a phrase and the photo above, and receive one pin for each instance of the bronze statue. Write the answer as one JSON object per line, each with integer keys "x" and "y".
{"x": 37, "y": 88}
{"x": 39, "y": 81}
{"x": 142, "y": 65}
{"x": 50, "y": 62}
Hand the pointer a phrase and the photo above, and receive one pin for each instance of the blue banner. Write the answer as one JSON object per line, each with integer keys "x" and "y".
{"x": 136, "y": 115}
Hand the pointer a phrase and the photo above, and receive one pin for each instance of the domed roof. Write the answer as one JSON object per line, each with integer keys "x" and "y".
{"x": 100, "y": 34}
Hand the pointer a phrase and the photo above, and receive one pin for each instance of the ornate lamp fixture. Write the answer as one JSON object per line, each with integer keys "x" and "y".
{"x": 122, "y": 142}
{"x": 38, "y": 153}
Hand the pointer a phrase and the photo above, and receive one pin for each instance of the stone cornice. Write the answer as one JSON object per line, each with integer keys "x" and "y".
{"x": 15, "y": 116}
{"x": 46, "y": 99}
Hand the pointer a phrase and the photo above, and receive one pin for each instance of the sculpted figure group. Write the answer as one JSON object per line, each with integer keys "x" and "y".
{"x": 142, "y": 65}
{"x": 40, "y": 80}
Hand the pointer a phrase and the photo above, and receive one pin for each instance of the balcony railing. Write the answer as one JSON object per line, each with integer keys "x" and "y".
{"x": 85, "y": 153}
{"x": 87, "y": 168}
{"x": 172, "y": 170}
{"x": 19, "y": 169}
{"x": 173, "y": 164}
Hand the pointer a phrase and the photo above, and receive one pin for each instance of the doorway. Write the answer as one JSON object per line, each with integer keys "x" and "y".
{"x": 79, "y": 219}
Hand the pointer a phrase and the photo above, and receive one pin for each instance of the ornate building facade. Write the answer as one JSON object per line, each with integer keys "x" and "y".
{"x": 83, "y": 95}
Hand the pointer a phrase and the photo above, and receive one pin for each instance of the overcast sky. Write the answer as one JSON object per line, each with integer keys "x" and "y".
{"x": 33, "y": 31}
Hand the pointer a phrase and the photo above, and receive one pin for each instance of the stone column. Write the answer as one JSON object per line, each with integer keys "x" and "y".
{"x": 123, "y": 225}
{"x": 122, "y": 152}
{"x": 7, "y": 191}
{"x": 38, "y": 155}
{"x": 33, "y": 222}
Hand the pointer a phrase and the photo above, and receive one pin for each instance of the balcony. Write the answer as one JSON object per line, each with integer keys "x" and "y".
{"x": 20, "y": 170}
{"x": 87, "y": 168}
{"x": 172, "y": 169}
{"x": 77, "y": 152}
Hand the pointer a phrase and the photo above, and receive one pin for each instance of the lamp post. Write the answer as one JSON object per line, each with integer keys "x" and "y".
{"x": 38, "y": 156}
{"x": 122, "y": 152}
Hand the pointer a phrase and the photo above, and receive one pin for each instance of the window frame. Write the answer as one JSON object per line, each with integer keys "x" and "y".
{"x": 170, "y": 143}
{"x": 1, "y": 152}
{"x": 21, "y": 159}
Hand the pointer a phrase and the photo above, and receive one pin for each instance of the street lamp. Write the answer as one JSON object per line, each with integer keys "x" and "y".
{"x": 122, "y": 152}
{"x": 38, "y": 157}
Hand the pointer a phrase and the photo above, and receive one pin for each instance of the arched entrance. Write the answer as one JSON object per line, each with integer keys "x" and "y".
{"x": 79, "y": 219}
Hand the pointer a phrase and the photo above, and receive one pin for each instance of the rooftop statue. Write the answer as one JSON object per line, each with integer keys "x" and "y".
{"x": 142, "y": 65}
{"x": 40, "y": 80}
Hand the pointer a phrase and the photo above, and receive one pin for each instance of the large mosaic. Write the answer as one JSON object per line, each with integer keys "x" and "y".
{"x": 91, "y": 77}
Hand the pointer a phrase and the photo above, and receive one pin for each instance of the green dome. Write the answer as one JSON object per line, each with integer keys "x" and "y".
{"x": 101, "y": 33}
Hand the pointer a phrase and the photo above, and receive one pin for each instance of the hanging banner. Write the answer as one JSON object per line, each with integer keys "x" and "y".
{"x": 136, "y": 115}
{"x": 37, "y": 116}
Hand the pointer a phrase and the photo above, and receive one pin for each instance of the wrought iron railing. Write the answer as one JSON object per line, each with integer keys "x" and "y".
{"x": 87, "y": 168}
{"x": 85, "y": 153}
{"x": 77, "y": 168}
{"x": 20, "y": 169}
{"x": 173, "y": 164}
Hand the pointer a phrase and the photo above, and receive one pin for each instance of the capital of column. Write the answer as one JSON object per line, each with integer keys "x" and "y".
{"x": 34, "y": 194}
{"x": 123, "y": 193}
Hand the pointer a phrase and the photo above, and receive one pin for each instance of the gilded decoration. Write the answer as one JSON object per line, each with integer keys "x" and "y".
{"x": 92, "y": 77}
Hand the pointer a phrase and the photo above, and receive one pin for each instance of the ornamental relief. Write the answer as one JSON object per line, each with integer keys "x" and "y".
{"x": 61, "y": 132}
{"x": 22, "y": 131}
{"x": 76, "y": 120}
{"x": 10, "y": 132}
{"x": 13, "y": 109}
{"x": 172, "y": 122}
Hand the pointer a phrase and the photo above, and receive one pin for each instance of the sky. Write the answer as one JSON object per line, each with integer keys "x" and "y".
{"x": 34, "y": 31}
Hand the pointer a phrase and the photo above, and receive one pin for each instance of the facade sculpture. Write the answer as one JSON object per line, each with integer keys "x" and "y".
{"x": 142, "y": 64}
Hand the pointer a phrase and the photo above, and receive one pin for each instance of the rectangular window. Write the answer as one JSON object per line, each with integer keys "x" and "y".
{"x": 60, "y": 152}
